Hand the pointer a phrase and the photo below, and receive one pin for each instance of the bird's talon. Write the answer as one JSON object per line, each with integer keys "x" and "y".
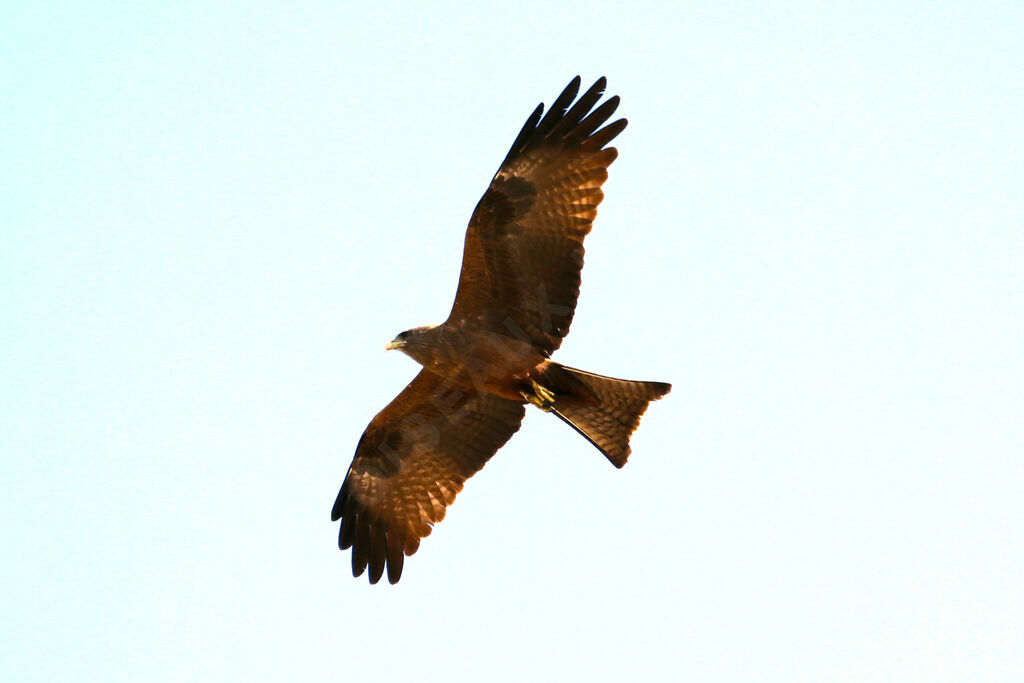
{"x": 545, "y": 394}
{"x": 542, "y": 397}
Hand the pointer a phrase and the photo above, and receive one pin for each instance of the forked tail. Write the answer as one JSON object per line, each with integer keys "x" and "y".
{"x": 605, "y": 410}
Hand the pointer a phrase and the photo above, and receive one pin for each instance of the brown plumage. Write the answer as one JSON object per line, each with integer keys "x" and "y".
{"x": 517, "y": 294}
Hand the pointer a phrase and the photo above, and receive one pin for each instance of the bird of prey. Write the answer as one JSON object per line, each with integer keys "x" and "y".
{"x": 516, "y": 297}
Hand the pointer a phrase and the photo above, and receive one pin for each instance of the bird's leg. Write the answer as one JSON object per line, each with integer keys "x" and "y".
{"x": 542, "y": 397}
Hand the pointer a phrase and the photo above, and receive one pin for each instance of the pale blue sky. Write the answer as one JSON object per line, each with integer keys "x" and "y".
{"x": 214, "y": 217}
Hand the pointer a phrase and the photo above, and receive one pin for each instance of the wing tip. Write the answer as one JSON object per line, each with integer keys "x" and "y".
{"x": 569, "y": 119}
{"x": 339, "y": 505}
{"x": 597, "y": 141}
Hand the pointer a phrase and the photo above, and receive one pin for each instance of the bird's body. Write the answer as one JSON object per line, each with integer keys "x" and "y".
{"x": 515, "y": 302}
{"x": 473, "y": 357}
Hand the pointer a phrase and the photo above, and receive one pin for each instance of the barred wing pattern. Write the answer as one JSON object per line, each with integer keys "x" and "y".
{"x": 523, "y": 253}
{"x": 410, "y": 463}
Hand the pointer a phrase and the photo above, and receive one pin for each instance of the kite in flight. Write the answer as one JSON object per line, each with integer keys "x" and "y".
{"x": 517, "y": 293}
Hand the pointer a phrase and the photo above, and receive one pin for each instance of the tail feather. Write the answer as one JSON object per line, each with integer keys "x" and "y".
{"x": 605, "y": 410}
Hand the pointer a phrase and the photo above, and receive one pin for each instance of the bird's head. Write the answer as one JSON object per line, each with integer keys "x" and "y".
{"x": 410, "y": 341}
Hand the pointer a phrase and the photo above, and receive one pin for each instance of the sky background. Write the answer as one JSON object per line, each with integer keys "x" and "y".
{"x": 214, "y": 215}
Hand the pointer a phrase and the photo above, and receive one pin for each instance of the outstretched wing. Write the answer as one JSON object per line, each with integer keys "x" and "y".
{"x": 524, "y": 247}
{"x": 410, "y": 463}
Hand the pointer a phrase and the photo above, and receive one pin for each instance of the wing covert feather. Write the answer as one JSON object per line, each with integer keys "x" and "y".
{"x": 523, "y": 252}
{"x": 411, "y": 461}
